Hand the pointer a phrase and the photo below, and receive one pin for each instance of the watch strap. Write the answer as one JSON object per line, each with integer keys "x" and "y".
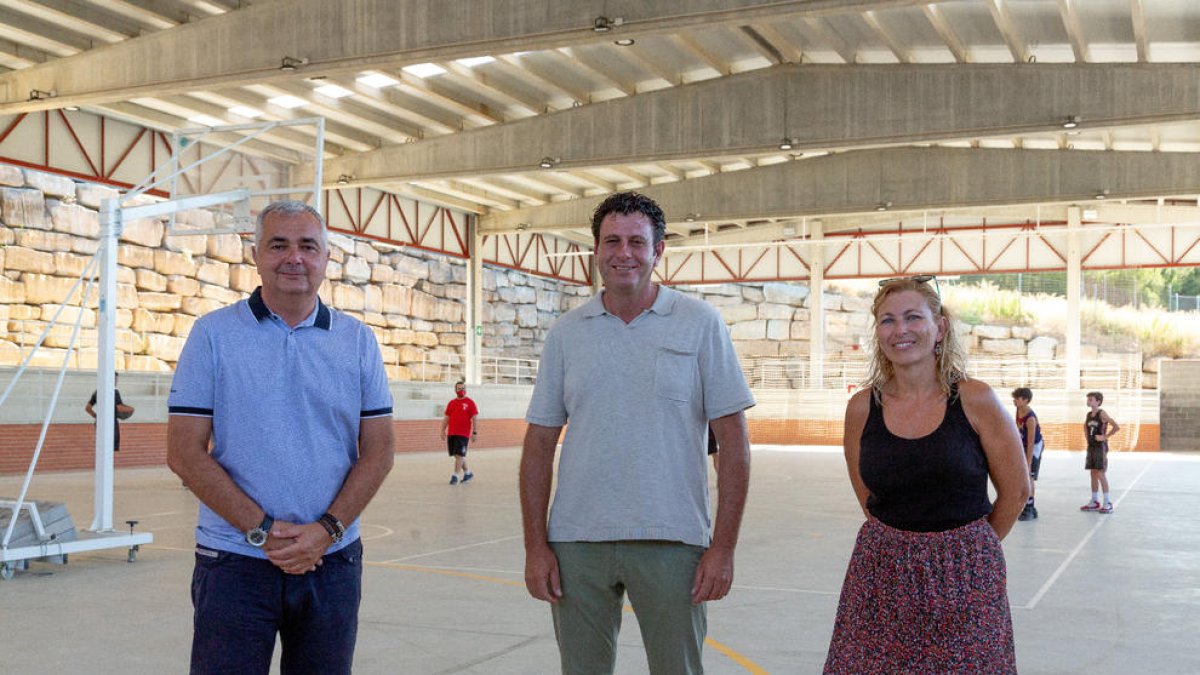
{"x": 333, "y": 526}
{"x": 266, "y": 523}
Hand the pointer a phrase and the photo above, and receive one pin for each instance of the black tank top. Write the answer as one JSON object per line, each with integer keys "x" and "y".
{"x": 929, "y": 484}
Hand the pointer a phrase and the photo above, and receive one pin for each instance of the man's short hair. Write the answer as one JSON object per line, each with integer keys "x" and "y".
{"x": 289, "y": 207}
{"x": 625, "y": 203}
{"x": 1096, "y": 395}
{"x": 1023, "y": 392}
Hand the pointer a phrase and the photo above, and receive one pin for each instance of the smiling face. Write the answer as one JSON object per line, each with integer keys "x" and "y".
{"x": 906, "y": 329}
{"x": 291, "y": 256}
{"x": 626, "y": 253}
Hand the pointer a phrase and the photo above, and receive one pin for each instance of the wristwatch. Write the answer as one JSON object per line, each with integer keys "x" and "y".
{"x": 333, "y": 526}
{"x": 258, "y": 536}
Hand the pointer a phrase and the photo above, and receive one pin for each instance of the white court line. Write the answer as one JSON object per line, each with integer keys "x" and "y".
{"x": 1037, "y": 597}
{"x": 774, "y": 589}
{"x": 456, "y": 548}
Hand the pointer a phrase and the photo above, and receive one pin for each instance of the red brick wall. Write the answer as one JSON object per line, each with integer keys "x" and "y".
{"x": 71, "y": 446}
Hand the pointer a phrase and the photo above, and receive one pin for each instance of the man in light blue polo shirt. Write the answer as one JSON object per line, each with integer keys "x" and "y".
{"x": 293, "y": 398}
{"x": 636, "y": 374}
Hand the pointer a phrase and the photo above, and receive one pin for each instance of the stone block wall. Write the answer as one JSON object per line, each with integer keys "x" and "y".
{"x": 1179, "y": 405}
{"x": 413, "y": 300}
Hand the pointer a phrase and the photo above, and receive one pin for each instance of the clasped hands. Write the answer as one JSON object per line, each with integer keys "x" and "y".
{"x": 297, "y": 549}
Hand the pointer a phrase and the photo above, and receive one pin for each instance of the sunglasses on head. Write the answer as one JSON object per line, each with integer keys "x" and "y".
{"x": 920, "y": 279}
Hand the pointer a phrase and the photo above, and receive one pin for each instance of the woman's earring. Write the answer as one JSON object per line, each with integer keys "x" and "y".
{"x": 937, "y": 349}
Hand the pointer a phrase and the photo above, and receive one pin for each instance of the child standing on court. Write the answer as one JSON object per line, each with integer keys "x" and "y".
{"x": 1098, "y": 427}
{"x": 1031, "y": 442}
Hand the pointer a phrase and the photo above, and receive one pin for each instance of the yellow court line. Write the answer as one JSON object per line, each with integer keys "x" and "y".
{"x": 731, "y": 654}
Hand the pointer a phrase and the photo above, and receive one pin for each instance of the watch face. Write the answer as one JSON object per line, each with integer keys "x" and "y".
{"x": 256, "y": 537}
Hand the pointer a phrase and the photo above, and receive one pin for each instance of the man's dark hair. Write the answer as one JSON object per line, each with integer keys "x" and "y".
{"x": 625, "y": 203}
{"x": 1096, "y": 395}
{"x": 1023, "y": 392}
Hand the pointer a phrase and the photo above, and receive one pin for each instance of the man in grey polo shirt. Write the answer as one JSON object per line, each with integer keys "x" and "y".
{"x": 638, "y": 372}
{"x": 293, "y": 397}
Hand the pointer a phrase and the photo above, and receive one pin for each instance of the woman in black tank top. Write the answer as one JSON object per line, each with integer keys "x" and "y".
{"x": 925, "y": 588}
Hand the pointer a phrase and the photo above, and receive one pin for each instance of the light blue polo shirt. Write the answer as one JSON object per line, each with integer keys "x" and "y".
{"x": 636, "y": 399}
{"x": 285, "y": 405}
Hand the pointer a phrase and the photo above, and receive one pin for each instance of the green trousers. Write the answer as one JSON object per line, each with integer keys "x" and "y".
{"x": 658, "y": 577}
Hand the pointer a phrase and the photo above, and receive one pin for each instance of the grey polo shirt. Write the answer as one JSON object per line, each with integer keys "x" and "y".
{"x": 285, "y": 405}
{"x": 636, "y": 399}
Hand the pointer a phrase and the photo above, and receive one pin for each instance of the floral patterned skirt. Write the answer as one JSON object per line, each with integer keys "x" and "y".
{"x": 924, "y": 602}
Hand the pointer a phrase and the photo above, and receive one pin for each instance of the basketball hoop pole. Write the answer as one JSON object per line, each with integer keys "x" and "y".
{"x": 112, "y": 222}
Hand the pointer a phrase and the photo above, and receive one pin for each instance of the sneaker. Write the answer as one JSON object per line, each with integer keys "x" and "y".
{"x": 454, "y": 479}
{"x": 1107, "y": 508}
{"x": 468, "y": 476}
{"x": 1026, "y": 514}
{"x": 1033, "y": 510}
{"x": 1090, "y": 506}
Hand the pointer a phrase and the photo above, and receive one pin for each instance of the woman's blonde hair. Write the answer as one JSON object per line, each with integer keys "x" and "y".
{"x": 950, "y": 354}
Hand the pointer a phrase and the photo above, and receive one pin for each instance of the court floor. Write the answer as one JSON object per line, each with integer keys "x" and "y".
{"x": 443, "y": 589}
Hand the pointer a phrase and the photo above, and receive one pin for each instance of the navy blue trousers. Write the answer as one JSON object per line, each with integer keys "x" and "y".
{"x": 242, "y": 603}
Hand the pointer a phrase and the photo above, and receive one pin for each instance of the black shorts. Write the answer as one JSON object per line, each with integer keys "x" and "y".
{"x": 456, "y": 446}
{"x": 1097, "y": 457}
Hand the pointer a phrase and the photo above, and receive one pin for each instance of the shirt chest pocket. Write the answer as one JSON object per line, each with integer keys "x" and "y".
{"x": 675, "y": 373}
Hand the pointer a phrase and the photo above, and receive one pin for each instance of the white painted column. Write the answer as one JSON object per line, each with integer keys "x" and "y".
{"x": 473, "y": 324}
{"x": 105, "y": 408}
{"x": 816, "y": 305}
{"x": 1074, "y": 291}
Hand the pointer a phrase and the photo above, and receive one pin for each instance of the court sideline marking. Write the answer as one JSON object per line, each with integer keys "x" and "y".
{"x": 1037, "y": 597}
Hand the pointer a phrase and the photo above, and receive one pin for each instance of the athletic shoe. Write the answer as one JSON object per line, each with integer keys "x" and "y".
{"x": 1026, "y": 514}
{"x": 1033, "y": 510}
{"x": 1090, "y": 506}
{"x": 1108, "y": 508}
{"x": 468, "y": 476}
{"x": 454, "y": 479}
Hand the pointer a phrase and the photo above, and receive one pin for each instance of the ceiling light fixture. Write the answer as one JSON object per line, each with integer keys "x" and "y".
{"x": 472, "y": 61}
{"x": 376, "y": 80}
{"x": 1071, "y": 122}
{"x": 423, "y": 70}
{"x": 787, "y": 143}
{"x": 345, "y": 179}
{"x": 1103, "y": 194}
{"x": 245, "y": 111}
{"x": 333, "y": 91}
{"x": 287, "y": 101}
{"x": 71, "y": 108}
{"x": 624, "y": 42}
{"x": 292, "y": 63}
{"x": 548, "y": 162}
{"x": 41, "y": 95}
{"x": 883, "y": 206}
{"x": 602, "y": 24}
{"x": 691, "y": 217}
{"x": 521, "y": 227}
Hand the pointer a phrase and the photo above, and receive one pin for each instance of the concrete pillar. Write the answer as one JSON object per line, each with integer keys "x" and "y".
{"x": 474, "y": 314}
{"x": 816, "y": 306}
{"x": 1074, "y": 291}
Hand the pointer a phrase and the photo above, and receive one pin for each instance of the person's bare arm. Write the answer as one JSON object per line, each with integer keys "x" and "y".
{"x": 856, "y": 420}
{"x": 445, "y": 425}
{"x": 1111, "y": 427}
{"x": 376, "y": 455}
{"x": 537, "y": 474}
{"x": 714, "y": 574}
{"x": 1031, "y": 425}
{"x": 1002, "y": 446}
